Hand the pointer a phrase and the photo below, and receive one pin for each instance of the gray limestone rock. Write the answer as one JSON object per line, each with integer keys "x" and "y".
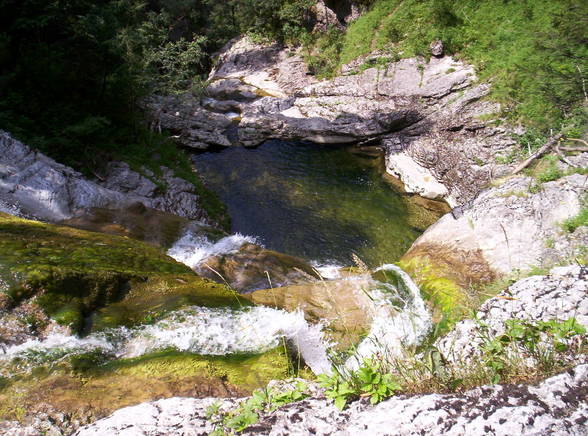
{"x": 559, "y": 405}
{"x": 40, "y": 187}
{"x": 427, "y": 109}
{"x": 513, "y": 225}
{"x": 34, "y": 185}
{"x": 561, "y": 295}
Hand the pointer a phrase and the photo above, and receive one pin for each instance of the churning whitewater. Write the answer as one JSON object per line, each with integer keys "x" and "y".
{"x": 399, "y": 318}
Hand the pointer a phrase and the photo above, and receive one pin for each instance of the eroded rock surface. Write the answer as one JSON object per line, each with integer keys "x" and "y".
{"x": 512, "y": 226}
{"x": 34, "y": 185}
{"x": 561, "y": 295}
{"x": 428, "y": 111}
{"x": 559, "y": 405}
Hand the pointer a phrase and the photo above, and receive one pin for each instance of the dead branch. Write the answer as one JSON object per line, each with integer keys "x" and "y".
{"x": 585, "y": 149}
{"x": 578, "y": 140}
{"x": 544, "y": 149}
{"x": 563, "y": 158}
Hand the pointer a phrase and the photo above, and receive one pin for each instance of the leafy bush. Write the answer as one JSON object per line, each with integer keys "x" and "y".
{"x": 248, "y": 412}
{"x": 571, "y": 224}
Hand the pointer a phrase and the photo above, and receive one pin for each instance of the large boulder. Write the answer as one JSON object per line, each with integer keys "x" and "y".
{"x": 252, "y": 267}
{"x": 343, "y": 305}
{"x": 34, "y": 185}
{"x": 510, "y": 227}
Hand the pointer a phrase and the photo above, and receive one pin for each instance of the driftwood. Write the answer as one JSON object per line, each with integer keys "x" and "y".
{"x": 548, "y": 145}
{"x": 553, "y": 143}
{"x": 563, "y": 157}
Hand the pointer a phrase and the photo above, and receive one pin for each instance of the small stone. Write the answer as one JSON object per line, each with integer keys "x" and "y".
{"x": 436, "y": 48}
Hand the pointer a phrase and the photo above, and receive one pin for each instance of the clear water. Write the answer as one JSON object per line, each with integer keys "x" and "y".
{"x": 319, "y": 202}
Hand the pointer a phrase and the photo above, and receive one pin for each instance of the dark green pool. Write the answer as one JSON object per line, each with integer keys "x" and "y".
{"x": 320, "y": 202}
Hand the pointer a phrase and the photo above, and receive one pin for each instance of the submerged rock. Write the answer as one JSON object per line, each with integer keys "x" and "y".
{"x": 558, "y": 405}
{"x": 252, "y": 267}
{"x": 343, "y": 305}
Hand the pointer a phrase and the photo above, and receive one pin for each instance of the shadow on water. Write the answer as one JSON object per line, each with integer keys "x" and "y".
{"x": 320, "y": 202}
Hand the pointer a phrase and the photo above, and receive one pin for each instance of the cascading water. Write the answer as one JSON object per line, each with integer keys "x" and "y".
{"x": 191, "y": 248}
{"x": 391, "y": 332}
{"x": 197, "y": 330}
{"x": 398, "y": 314}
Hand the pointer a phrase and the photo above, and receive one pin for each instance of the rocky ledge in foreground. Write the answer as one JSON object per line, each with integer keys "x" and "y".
{"x": 559, "y": 405}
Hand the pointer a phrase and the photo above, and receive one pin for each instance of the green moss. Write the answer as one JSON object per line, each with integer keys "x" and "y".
{"x": 72, "y": 273}
{"x": 150, "y": 300}
{"x": 243, "y": 370}
{"x": 449, "y": 300}
{"x": 86, "y": 383}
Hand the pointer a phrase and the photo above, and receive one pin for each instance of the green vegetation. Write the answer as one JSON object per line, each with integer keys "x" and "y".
{"x": 368, "y": 381}
{"x": 70, "y": 273}
{"x": 571, "y": 224}
{"x": 264, "y": 400}
{"x": 524, "y": 352}
{"x": 87, "y": 382}
{"x": 535, "y": 52}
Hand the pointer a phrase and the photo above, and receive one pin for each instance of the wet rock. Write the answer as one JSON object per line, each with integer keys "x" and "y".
{"x": 32, "y": 184}
{"x": 252, "y": 267}
{"x": 343, "y": 305}
{"x": 561, "y": 295}
{"x": 507, "y": 227}
{"x": 558, "y": 405}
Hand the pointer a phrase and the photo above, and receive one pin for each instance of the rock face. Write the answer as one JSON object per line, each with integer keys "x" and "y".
{"x": 39, "y": 186}
{"x": 512, "y": 226}
{"x": 426, "y": 111}
{"x": 561, "y": 295}
{"x": 32, "y": 184}
{"x": 558, "y": 405}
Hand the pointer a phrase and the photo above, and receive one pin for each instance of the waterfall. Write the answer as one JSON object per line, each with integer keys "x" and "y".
{"x": 197, "y": 330}
{"x": 391, "y": 330}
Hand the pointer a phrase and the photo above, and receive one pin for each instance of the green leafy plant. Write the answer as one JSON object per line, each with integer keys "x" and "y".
{"x": 248, "y": 412}
{"x": 370, "y": 380}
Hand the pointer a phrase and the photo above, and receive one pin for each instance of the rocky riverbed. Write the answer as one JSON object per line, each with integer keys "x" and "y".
{"x": 114, "y": 290}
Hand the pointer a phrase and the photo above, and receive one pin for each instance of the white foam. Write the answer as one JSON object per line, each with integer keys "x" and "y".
{"x": 192, "y": 249}
{"x": 328, "y": 271}
{"x": 391, "y": 330}
{"x": 222, "y": 331}
{"x": 197, "y": 330}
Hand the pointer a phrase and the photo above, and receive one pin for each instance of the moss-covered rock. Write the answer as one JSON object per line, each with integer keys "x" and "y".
{"x": 84, "y": 385}
{"x": 71, "y": 273}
